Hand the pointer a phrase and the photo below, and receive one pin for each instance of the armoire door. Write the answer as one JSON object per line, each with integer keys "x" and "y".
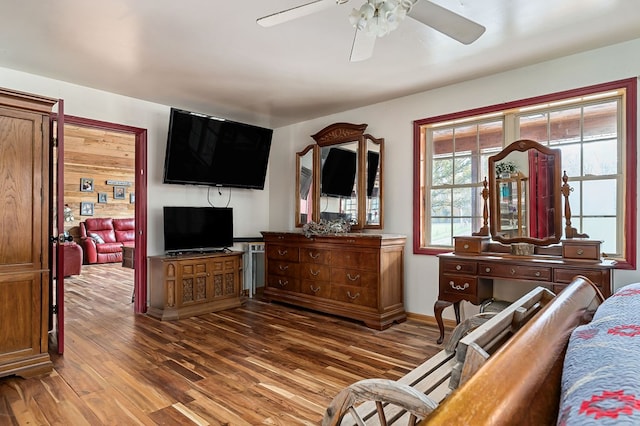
{"x": 24, "y": 230}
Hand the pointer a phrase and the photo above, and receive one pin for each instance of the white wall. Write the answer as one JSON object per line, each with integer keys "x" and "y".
{"x": 393, "y": 121}
{"x": 273, "y": 208}
{"x": 250, "y": 207}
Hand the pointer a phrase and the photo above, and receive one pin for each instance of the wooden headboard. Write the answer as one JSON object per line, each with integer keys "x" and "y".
{"x": 520, "y": 383}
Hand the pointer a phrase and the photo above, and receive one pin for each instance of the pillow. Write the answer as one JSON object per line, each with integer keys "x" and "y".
{"x": 98, "y": 239}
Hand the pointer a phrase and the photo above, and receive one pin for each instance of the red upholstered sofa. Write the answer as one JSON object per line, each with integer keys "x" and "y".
{"x": 102, "y": 239}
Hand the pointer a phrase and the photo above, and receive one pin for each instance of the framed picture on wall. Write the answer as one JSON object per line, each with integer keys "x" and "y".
{"x": 86, "y": 208}
{"x": 132, "y": 198}
{"x": 86, "y": 185}
{"x": 119, "y": 192}
{"x": 102, "y": 197}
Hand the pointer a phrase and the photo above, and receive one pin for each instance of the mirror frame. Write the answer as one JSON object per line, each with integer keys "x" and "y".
{"x": 299, "y": 155}
{"x": 336, "y": 134}
{"x": 522, "y": 146}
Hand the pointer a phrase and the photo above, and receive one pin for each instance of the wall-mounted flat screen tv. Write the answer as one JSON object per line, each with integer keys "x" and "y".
{"x": 204, "y": 150}
{"x": 197, "y": 229}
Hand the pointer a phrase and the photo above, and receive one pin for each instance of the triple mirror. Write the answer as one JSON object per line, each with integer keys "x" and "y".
{"x": 340, "y": 177}
{"x": 525, "y": 194}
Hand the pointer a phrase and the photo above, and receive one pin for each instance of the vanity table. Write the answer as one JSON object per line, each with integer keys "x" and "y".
{"x": 469, "y": 271}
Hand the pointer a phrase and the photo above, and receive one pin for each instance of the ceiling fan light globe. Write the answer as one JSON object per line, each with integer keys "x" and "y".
{"x": 367, "y": 11}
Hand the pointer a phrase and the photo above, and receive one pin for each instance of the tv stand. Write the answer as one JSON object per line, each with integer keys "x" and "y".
{"x": 185, "y": 285}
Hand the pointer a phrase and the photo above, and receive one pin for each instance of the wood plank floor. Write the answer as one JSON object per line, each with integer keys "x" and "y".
{"x": 261, "y": 363}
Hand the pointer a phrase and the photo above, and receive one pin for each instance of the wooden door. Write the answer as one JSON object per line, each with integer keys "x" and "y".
{"x": 24, "y": 229}
{"x": 57, "y": 301}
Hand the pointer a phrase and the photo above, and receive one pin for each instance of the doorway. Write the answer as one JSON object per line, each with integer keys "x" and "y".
{"x": 103, "y": 180}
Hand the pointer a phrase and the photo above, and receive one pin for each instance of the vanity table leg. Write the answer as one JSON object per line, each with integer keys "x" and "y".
{"x": 438, "y": 307}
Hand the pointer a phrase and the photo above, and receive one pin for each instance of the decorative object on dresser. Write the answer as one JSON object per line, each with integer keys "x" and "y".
{"x": 24, "y": 259}
{"x": 525, "y": 214}
{"x": 358, "y": 276}
{"x": 181, "y": 286}
{"x": 343, "y": 173}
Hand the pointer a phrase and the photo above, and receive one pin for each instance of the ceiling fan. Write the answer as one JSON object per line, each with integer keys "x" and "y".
{"x": 376, "y": 18}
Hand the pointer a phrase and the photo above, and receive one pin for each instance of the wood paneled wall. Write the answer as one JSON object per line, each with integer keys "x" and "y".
{"x": 103, "y": 156}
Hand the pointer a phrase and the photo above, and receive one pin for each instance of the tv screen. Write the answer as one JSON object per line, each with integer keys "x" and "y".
{"x": 373, "y": 158}
{"x": 203, "y": 150}
{"x": 338, "y": 173}
{"x": 194, "y": 229}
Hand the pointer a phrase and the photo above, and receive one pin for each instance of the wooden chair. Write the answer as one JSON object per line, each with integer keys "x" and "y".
{"x": 384, "y": 393}
{"x": 419, "y": 392}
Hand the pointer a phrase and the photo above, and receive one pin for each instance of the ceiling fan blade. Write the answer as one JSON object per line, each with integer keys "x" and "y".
{"x": 295, "y": 12}
{"x": 362, "y": 47}
{"x": 447, "y": 22}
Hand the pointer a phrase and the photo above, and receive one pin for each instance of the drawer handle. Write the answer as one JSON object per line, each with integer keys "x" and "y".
{"x": 458, "y": 267}
{"x": 580, "y": 252}
{"x": 351, "y": 241}
{"x": 315, "y": 290}
{"x": 354, "y": 297}
{"x": 314, "y": 256}
{"x": 283, "y": 267}
{"x": 314, "y": 273}
{"x": 538, "y": 274}
{"x": 283, "y": 283}
{"x": 281, "y": 237}
{"x": 466, "y": 246}
{"x": 513, "y": 271}
{"x": 282, "y": 252}
{"x": 357, "y": 277}
{"x": 487, "y": 269}
{"x": 458, "y": 287}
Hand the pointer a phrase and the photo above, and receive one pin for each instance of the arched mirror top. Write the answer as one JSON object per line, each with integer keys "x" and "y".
{"x": 339, "y": 133}
{"x": 525, "y": 197}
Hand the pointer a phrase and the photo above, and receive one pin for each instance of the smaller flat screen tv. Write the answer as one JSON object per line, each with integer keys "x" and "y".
{"x": 197, "y": 229}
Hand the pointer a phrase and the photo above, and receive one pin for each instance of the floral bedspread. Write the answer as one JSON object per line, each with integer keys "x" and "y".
{"x": 601, "y": 374}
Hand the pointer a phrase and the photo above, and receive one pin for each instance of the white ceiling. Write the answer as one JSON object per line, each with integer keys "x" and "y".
{"x": 210, "y": 56}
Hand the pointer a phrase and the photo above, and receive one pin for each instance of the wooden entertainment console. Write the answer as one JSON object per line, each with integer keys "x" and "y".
{"x": 358, "y": 276}
{"x": 186, "y": 285}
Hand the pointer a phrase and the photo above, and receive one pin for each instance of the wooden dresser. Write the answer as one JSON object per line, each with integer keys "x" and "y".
{"x": 358, "y": 276}
{"x": 468, "y": 272}
{"x": 182, "y": 286}
{"x": 24, "y": 233}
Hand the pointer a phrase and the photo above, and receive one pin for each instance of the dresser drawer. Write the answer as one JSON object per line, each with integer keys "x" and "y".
{"x": 470, "y": 245}
{"x": 316, "y": 288}
{"x": 283, "y": 283}
{"x": 535, "y": 273}
{"x": 313, "y": 255}
{"x": 312, "y": 271}
{"x": 283, "y": 268}
{"x": 280, "y": 252}
{"x": 459, "y": 266}
{"x": 355, "y": 259}
{"x": 565, "y": 275}
{"x": 459, "y": 285}
{"x": 354, "y": 277}
{"x": 356, "y": 295}
{"x": 581, "y": 250}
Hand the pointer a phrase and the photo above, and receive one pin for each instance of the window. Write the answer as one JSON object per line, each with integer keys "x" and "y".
{"x": 593, "y": 127}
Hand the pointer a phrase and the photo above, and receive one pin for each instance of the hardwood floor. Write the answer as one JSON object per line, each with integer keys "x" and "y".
{"x": 261, "y": 363}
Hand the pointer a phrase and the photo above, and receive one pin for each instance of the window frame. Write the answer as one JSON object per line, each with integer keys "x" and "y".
{"x": 629, "y": 119}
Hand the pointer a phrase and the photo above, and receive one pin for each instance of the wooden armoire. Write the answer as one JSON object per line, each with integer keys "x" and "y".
{"x": 24, "y": 230}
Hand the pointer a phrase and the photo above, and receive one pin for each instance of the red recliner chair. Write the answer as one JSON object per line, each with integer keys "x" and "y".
{"x": 102, "y": 239}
